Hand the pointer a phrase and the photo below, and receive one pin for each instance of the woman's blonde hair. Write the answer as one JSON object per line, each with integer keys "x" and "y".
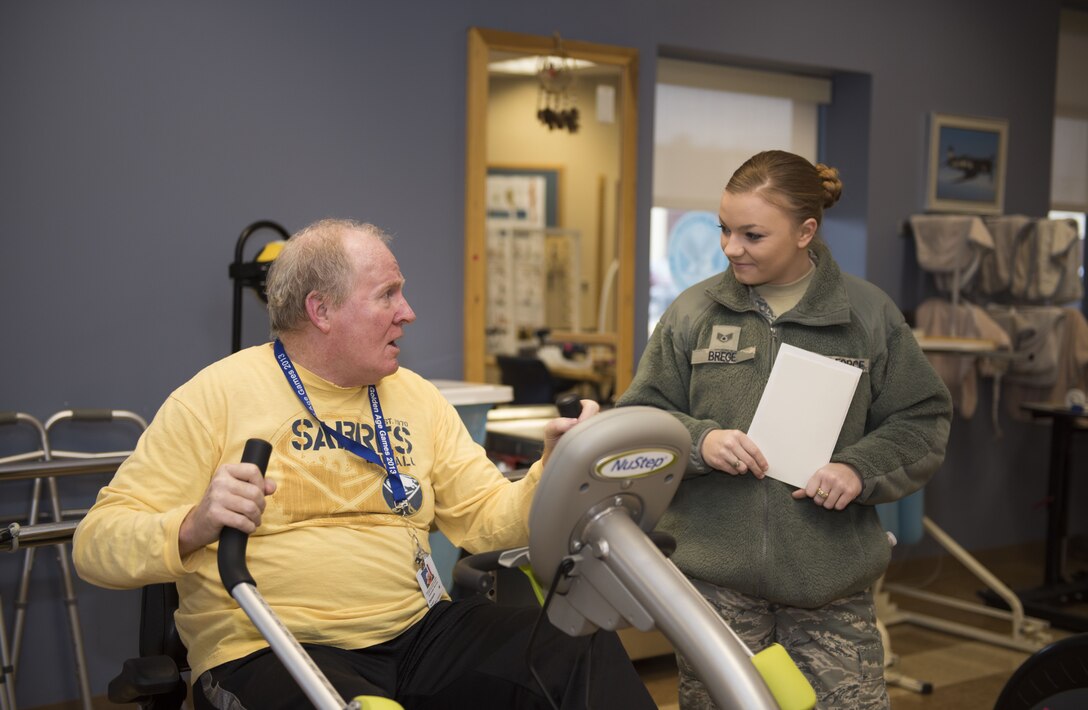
{"x": 789, "y": 182}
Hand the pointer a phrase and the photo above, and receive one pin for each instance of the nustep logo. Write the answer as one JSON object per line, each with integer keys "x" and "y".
{"x": 635, "y": 464}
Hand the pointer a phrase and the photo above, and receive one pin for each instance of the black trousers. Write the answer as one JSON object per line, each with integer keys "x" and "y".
{"x": 469, "y": 653}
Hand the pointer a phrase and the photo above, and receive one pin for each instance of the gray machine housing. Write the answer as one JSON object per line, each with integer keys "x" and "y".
{"x": 606, "y": 484}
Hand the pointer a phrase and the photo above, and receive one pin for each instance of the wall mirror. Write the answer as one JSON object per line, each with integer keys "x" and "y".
{"x": 550, "y": 208}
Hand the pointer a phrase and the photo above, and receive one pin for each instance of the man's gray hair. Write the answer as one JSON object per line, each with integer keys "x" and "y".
{"x": 314, "y": 259}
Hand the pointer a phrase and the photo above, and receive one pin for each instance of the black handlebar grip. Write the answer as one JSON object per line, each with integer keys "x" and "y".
{"x": 569, "y": 405}
{"x": 232, "y": 542}
{"x": 477, "y": 572}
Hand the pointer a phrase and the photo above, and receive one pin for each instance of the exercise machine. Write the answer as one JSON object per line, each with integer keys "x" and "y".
{"x": 606, "y": 484}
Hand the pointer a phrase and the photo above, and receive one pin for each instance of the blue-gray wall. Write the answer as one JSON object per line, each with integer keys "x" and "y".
{"x": 138, "y": 138}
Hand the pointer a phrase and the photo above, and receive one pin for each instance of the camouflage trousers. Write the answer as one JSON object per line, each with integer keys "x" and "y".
{"x": 837, "y": 647}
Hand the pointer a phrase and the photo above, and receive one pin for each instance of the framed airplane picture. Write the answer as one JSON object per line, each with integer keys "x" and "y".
{"x": 967, "y": 158}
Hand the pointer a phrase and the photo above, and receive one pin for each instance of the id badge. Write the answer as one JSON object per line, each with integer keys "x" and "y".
{"x": 429, "y": 581}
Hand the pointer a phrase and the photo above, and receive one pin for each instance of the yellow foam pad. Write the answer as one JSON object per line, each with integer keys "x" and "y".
{"x": 373, "y": 702}
{"x": 538, "y": 591}
{"x": 271, "y": 251}
{"x": 789, "y": 687}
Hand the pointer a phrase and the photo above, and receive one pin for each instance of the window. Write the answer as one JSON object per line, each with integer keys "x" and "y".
{"x": 1069, "y": 165}
{"x": 708, "y": 119}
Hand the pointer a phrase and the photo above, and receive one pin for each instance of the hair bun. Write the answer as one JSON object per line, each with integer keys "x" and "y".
{"x": 829, "y": 178}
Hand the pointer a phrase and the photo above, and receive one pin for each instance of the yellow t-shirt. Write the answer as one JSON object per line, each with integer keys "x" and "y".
{"x": 330, "y": 557}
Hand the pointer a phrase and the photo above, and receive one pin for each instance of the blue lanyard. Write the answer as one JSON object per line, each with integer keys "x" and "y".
{"x": 386, "y": 460}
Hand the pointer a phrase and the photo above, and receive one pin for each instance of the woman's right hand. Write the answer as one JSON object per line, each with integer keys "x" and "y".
{"x": 731, "y": 450}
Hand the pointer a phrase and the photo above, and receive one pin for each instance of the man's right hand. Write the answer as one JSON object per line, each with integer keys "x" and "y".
{"x": 555, "y": 428}
{"x": 234, "y": 498}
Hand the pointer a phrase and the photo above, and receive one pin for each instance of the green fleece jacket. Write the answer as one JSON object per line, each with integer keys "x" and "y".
{"x": 749, "y": 534}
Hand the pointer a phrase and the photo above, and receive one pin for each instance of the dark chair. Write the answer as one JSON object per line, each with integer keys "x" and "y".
{"x": 154, "y": 680}
{"x": 530, "y": 378}
{"x": 1051, "y": 675}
